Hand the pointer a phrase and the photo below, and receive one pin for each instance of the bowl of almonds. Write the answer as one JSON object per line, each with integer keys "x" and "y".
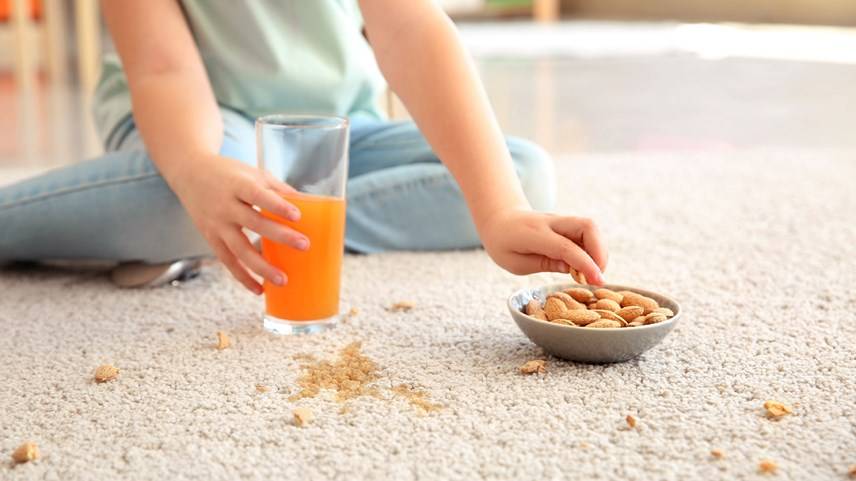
{"x": 593, "y": 324}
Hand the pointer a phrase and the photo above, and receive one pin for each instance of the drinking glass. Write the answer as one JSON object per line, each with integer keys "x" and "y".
{"x": 309, "y": 153}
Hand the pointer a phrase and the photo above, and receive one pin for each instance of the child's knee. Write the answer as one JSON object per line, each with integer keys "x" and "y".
{"x": 536, "y": 172}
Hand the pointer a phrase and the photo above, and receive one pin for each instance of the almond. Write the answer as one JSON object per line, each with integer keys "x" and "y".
{"x": 564, "y": 322}
{"x": 580, "y": 294}
{"x": 634, "y": 324}
{"x": 634, "y": 299}
{"x": 582, "y": 318}
{"x": 630, "y": 313}
{"x": 25, "y": 453}
{"x": 664, "y": 310}
{"x": 604, "y": 293}
{"x": 654, "y": 318}
{"x": 607, "y": 304}
{"x": 569, "y": 301}
{"x": 106, "y": 372}
{"x": 604, "y": 323}
{"x": 554, "y": 308}
{"x": 609, "y": 315}
{"x": 533, "y": 308}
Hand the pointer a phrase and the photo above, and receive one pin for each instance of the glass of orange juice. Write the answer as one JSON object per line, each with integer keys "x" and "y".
{"x": 309, "y": 153}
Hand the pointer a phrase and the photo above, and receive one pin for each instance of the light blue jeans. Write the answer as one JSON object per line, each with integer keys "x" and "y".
{"x": 117, "y": 207}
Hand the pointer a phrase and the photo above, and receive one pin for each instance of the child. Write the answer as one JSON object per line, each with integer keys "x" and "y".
{"x": 179, "y": 180}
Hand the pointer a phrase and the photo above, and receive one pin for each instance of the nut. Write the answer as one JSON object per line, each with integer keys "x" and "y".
{"x": 604, "y": 323}
{"x": 665, "y": 310}
{"x": 534, "y": 366}
{"x": 580, "y": 294}
{"x": 635, "y": 324}
{"x": 569, "y": 301}
{"x": 302, "y": 416}
{"x": 776, "y": 410}
{"x": 223, "y": 340}
{"x": 106, "y": 372}
{"x": 554, "y": 308}
{"x": 564, "y": 322}
{"x": 630, "y": 313}
{"x": 767, "y": 466}
{"x": 25, "y": 453}
{"x": 654, "y": 318}
{"x": 533, "y": 308}
{"x": 607, "y": 304}
{"x": 578, "y": 276}
{"x": 609, "y": 315}
{"x": 634, "y": 299}
{"x": 604, "y": 293}
{"x": 582, "y": 318}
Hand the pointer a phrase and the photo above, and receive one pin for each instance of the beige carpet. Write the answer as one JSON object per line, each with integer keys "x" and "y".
{"x": 758, "y": 246}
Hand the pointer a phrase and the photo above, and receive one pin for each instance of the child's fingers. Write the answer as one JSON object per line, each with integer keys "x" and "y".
{"x": 584, "y": 232}
{"x": 243, "y": 250}
{"x": 265, "y": 198}
{"x": 231, "y": 262}
{"x": 269, "y": 229}
{"x": 522, "y": 264}
{"x": 558, "y": 247}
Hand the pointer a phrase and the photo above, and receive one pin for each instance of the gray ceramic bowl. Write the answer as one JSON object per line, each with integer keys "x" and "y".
{"x": 586, "y": 344}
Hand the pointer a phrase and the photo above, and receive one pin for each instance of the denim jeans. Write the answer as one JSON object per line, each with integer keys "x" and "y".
{"x": 117, "y": 207}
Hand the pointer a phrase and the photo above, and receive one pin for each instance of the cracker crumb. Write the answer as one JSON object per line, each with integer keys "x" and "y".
{"x": 223, "y": 340}
{"x": 852, "y": 471}
{"x": 349, "y": 375}
{"x": 631, "y": 421}
{"x": 344, "y": 410}
{"x": 25, "y": 453}
{"x": 352, "y": 313}
{"x": 262, "y": 388}
{"x": 767, "y": 466}
{"x": 417, "y": 398}
{"x": 534, "y": 366}
{"x": 303, "y": 416}
{"x": 302, "y": 356}
{"x": 401, "y": 306}
{"x": 106, "y": 372}
{"x": 716, "y": 454}
{"x": 776, "y": 410}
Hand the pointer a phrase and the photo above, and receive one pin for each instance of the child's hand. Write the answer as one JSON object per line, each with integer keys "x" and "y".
{"x": 219, "y": 194}
{"x": 524, "y": 242}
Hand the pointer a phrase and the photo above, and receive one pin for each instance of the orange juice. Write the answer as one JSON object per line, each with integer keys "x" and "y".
{"x": 312, "y": 290}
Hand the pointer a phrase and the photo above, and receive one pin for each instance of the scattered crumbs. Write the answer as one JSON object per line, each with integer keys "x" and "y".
{"x": 716, "y": 454}
{"x": 223, "y": 340}
{"x": 776, "y": 410}
{"x": 262, "y": 388}
{"x": 534, "y": 366}
{"x": 303, "y": 416}
{"x": 169, "y": 330}
{"x": 344, "y": 410}
{"x": 352, "y": 313}
{"x": 349, "y": 375}
{"x": 767, "y": 467}
{"x": 584, "y": 445}
{"x": 25, "y": 453}
{"x": 631, "y": 421}
{"x": 401, "y": 306}
{"x": 416, "y": 398}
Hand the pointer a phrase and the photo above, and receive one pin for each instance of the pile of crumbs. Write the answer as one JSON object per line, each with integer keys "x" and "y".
{"x": 352, "y": 375}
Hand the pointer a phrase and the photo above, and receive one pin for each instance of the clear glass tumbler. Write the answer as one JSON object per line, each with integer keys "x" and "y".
{"x": 309, "y": 153}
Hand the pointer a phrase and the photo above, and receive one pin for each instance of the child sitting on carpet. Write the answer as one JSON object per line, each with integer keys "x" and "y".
{"x": 178, "y": 179}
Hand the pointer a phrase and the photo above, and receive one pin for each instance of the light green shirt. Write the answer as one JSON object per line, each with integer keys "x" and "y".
{"x": 268, "y": 56}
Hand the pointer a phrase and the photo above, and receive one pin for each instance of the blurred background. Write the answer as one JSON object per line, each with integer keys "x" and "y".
{"x": 577, "y": 76}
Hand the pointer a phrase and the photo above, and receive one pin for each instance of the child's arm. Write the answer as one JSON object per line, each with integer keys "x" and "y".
{"x": 422, "y": 58}
{"x": 178, "y": 118}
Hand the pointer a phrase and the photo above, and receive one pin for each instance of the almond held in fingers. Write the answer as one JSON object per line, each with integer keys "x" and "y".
{"x": 604, "y": 293}
{"x": 577, "y": 276}
{"x": 633, "y": 299}
{"x": 580, "y": 294}
{"x": 569, "y": 301}
{"x": 607, "y": 304}
{"x": 630, "y": 313}
{"x": 534, "y": 309}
